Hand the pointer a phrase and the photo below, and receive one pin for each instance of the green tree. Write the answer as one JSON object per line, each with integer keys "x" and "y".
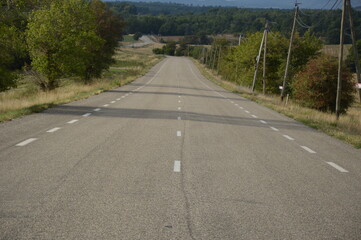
{"x": 63, "y": 40}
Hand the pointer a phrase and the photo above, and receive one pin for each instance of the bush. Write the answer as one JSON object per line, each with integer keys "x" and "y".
{"x": 158, "y": 51}
{"x": 316, "y": 86}
{"x": 137, "y": 35}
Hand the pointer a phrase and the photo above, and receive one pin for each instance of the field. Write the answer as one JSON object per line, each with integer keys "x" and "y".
{"x": 27, "y": 98}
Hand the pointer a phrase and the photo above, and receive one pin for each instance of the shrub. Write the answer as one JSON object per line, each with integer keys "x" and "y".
{"x": 316, "y": 86}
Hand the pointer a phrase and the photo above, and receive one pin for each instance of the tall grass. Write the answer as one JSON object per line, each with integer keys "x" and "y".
{"x": 347, "y": 128}
{"x": 28, "y": 98}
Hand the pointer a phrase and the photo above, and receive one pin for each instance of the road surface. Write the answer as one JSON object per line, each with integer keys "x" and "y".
{"x": 172, "y": 156}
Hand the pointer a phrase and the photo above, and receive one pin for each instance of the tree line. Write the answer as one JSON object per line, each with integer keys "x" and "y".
{"x": 54, "y": 39}
{"x": 312, "y": 78}
{"x": 217, "y": 20}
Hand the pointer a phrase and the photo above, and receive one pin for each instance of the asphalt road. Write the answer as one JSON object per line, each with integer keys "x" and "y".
{"x": 172, "y": 156}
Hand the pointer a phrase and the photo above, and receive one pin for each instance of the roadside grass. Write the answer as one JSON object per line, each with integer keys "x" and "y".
{"x": 27, "y": 98}
{"x": 347, "y": 128}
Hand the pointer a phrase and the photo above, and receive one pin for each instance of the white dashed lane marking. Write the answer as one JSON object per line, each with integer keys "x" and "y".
{"x": 177, "y": 166}
{"x": 106, "y": 105}
{"x": 179, "y": 118}
{"x": 179, "y": 108}
{"x": 118, "y": 99}
{"x": 341, "y": 169}
{"x": 254, "y": 116}
{"x": 53, "y": 130}
{"x": 308, "y": 149}
{"x": 73, "y": 121}
{"x": 97, "y": 109}
{"x": 288, "y": 137}
{"x": 87, "y": 114}
{"x": 179, "y": 133}
{"x": 247, "y": 111}
{"x": 112, "y": 102}
{"x": 274, "y": 129}
{"x": 26, "y": 142}
{"x": 264, "y": 122}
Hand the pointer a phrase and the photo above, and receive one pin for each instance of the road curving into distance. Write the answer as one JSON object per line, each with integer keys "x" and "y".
{"x": 173, "y": 156}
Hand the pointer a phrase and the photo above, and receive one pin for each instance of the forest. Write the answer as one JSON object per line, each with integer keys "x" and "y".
{"x": 176, "y": 19}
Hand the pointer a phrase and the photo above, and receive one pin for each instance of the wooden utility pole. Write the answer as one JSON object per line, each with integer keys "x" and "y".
{"x": 257, "y": 62}
{"x": 219, "y": 58}
{"x": 214, "y": 58}
{"x": 354, "y": 45}
{"x": 340, "y": 61}
{"x": 289, "y": 52}
{"x": 265, "y": 57}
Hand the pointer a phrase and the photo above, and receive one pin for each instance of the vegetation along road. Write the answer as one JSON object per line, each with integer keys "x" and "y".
{"x": 173, "y": 156}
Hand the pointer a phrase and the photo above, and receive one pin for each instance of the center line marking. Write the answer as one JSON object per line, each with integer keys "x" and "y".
{"x": 337, "y": 167}
{"x": 179, "y": 108}
{"x": 97, "y": 109}
{"x": 236, "y": 104}
{"x": 288, "y": 137}
{"x": 264, "y": 122}
{"x": 105, "y": 105}
{"x": 241, "y": 107}
{"x": 118, "y": 99}
{"x": 179, "y": 133}
{"x": 179, "y": 118}
{"x": 177, "y": 166}
{"x": 73, "y": 121}
{"x": 232, "y": 102}
{"x": 254, "y": 116}
{"x": 179, "y": 101}
{"x": 274, "y": 129}
{"x": 26, "y": 142}
{"x": 112, "y": 102}
{"x": 87, "y": 114}
{"x": 308, "y": 149}
{"x": 53, "y": 130}
{"x": 123, "y": 96}
{"x": 247, "y": 111}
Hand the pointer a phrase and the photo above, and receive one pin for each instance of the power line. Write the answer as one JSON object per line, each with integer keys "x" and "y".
{"x": 336, "y": 2}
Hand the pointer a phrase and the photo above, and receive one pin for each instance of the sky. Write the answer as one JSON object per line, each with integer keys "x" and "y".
{"x": 319, "y": 4}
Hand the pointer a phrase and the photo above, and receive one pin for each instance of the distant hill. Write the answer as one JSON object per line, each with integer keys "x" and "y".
{"x": 284, "y": 4}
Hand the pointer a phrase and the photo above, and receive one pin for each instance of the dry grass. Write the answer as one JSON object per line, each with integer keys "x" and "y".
{"x": 333, "y": 50}
{"x": 347, "y": 128}
{"x": 27, "y": 98}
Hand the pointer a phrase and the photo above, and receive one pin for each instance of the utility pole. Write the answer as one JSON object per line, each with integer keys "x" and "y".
{"x": 354, "y": 45}
{"x": 257, "y": 62}
{"x": 219, "y": 58}
{"x": 289, "y": 51}
{"x": 265, "y": 57}
{"x": 214, "y": 58}
{"x": 340, "y": 61}
{"x": 239, "y": 39}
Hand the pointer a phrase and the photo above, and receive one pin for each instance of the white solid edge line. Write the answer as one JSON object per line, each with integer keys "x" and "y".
{"x": 97, "y": 109}
{"x": 288, "y": 137}
{"x": 341, "y": 169}
{"x": 73, "y": 121}
{"x": 26, "y": 142}
{"x": 179, "y": 133}
{"x": 53, "y": 130}
{"x": 262, "y": 121}
{"x": 274, "y": 129}
{"x": 177, "y": 166}
{"x": 87, "y": 114}
{"x": 308, "y": 149}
